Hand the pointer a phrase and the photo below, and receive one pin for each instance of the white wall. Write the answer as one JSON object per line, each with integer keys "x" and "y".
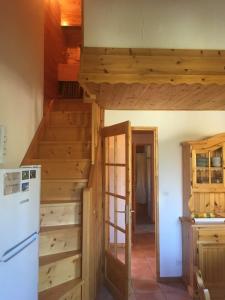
{"x": 173, "y": 128}
{"x": 21, "y": 74}
{"x": 155, "y": 24}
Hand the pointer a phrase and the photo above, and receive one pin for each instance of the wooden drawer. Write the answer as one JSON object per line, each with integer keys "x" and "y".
{"x": 211, "y": 235}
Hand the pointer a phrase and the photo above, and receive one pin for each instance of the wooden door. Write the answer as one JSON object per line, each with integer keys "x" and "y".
{"x": 133, "y": 189}
{"x": 117, "y": 208}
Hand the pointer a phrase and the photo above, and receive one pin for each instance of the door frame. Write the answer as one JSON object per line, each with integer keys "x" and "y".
{"x": 154, "y": 130}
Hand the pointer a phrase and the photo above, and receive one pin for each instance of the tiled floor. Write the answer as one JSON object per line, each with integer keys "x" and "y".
{"x": 144, "y": 284}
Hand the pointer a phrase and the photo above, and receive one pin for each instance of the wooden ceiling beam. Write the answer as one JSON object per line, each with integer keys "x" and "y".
{"x": 154, "y": 79}
{"x": 147, "y": 66}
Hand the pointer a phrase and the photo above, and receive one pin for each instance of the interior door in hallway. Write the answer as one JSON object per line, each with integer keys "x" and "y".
{"x": 117, "y": 208}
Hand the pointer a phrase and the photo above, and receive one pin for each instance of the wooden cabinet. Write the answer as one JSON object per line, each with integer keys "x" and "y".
{"x": 204, "y": 195}
{"x": 204, "y": 249}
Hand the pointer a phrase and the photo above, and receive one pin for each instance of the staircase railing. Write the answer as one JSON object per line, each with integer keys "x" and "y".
{"x": 92, "y": 214}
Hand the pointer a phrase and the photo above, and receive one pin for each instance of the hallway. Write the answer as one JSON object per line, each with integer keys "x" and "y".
{"x": 144, "y": 284}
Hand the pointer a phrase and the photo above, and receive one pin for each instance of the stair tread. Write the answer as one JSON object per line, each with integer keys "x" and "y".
{"x": 65, "y": 180}
{"x": 64, "y": 142}
{"x": 63, "y": 202}
{"x": 60, "y": 227}
{"x": 70, "y": 126}
{"x": 70, "y": 111}
{"x": 59, "y": 290}
{"x": 48, "y": 259}
{"x": 59, "y": 159}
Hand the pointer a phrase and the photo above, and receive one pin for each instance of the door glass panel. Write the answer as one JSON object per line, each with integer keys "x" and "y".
{"x": 111, "y": 156}
{"x": 111, "y": 209}
{"x": 115, "y": 178}
{"x": 120, "y": 153}
{"x": 121, "y": 240}
{"x": 112, "y": 240}
{"x": 121, "y": 216}
{"x": 121, "y": 181}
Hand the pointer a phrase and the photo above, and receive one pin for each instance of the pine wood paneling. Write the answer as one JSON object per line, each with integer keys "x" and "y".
{"x": 65, "y": 169}
{"x": 67, "y": 134}
{"x": 208, "y": 202}
{"x": 62, "y": 190}
{"x": 58, "y": 271}
{"x": 154, "y": 79}
{"x": 70, "y": 290}
{"x": 60, "y": 119}
{"x": 59, "y": 239}
{"x": 53, "y": 47}
{"x": 66, "y": 150}
{"x": 60, "y": 214}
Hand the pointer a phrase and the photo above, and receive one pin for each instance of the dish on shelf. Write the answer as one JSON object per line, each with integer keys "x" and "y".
{"x": 216, "y": 161}
{"x": 202, "y": 161}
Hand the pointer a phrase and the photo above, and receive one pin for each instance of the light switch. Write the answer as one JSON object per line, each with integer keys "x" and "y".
{"x": 2, "y": 144}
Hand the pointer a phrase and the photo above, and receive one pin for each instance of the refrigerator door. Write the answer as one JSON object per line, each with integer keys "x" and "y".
{"x": 19, "y": 272}
{"x": 19, "y": 211}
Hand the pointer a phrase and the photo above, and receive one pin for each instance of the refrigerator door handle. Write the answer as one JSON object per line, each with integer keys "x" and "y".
{"x": 9, "y": 254}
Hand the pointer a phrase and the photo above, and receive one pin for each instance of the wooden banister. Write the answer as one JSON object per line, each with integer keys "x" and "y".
{"x": 95, "y": 128}
{"x": 92, "y": 214}
{"x": 86, "y": 243}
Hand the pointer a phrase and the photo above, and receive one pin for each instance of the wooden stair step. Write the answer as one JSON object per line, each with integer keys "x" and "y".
{"x": 70, "y": 118}
{"x": 66, "y": 134}
{"x": 59, "y": 268}
{"x": 57, "y": 149}
{"x": 57, "y": 239}
{"x": 62, "y": 189}
{"x": 66, "y": 168}
{"x": 56, "y": 214}
{"x": 61, "y": 227}
{"x": 70, "y": 290}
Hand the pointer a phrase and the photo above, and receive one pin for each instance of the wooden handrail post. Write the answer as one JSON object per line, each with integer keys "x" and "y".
{"x": 93, "y": 133}
{"x": 87, "y": 193}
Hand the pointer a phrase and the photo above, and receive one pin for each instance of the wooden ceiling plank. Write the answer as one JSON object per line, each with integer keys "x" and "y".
{"x": 156, "y": 79}
{"x": 150, "y": 78}
{"x": 153, "y": 52}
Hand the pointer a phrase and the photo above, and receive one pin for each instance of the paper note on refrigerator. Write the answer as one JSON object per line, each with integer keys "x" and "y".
{"x": 12, "y": 183}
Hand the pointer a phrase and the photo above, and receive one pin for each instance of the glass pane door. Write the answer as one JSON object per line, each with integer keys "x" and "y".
{"x": 117, "y": 208}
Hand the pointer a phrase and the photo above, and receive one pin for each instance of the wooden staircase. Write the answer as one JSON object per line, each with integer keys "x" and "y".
{"x": 64, "y": 152}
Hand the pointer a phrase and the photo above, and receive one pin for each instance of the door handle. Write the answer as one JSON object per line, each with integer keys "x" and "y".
{"x": 9, "y": 254}
{"x": 20, "y": 250}
{"x": 128, "y": 212}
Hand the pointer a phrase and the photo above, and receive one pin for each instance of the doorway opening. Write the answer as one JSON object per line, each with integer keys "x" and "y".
{"x": 144, "y": 257}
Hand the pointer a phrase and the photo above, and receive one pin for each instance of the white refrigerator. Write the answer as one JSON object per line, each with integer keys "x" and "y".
{"x": 19, "y": 233}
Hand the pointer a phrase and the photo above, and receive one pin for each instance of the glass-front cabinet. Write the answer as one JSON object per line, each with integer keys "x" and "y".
{"x": 207, "y": 166}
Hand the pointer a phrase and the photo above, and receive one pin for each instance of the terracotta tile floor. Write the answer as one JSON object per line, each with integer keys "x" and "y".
{"x": 144, "y": 284}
